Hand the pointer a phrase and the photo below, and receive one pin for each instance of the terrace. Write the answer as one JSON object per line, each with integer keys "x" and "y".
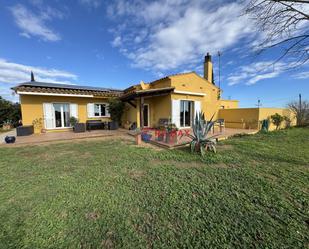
{"x": 69, "y": 135}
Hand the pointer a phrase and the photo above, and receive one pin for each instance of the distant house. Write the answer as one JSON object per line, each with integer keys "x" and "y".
{"x": 176, "y": 98}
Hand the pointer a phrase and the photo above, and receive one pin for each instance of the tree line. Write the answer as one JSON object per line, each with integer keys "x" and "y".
{"x": 9, "y": 112}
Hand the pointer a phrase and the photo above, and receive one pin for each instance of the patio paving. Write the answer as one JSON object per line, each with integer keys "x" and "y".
{"x": 185, "y": 140}
{"x": 66, "y": 136}
{"x": 70, "y": 135}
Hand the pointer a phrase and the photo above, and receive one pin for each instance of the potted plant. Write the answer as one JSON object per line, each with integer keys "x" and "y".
{"x": 77, "y": 127}
{"x": 7, "y": 125}
{"x": 171, "y": 133}
{"x": 38, "y": 125}
{"x": 115, "y": 108}
{"x": 161, "y": 133}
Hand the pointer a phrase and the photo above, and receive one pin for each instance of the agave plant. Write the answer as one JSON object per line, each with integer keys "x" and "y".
{"x": 200, "y": 140}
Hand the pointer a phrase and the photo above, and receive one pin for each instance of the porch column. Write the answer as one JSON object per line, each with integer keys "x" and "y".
{"x": 142, "y": 113}
{"x": 138, "y": 113}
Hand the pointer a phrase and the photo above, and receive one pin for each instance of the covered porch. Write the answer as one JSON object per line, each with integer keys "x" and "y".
{"x": 147, "y": 107}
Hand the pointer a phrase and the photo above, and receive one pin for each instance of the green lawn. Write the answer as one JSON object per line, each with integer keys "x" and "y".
{"x": 111, "y": 194}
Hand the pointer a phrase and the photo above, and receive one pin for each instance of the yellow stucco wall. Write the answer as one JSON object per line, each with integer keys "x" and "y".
{"x": 159, "y": 107}
{"x": 267, "y": 112}
{"x": 245, "y": 118}
{"x": 228, "y": 104}
{"x": 240, "y": 118}
{"x": 32, "y": 107}
{"x": 194, "y": 83}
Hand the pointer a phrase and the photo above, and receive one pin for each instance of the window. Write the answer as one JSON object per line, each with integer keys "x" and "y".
{"x": 186, "y": 113}
{"x": 62, "y": 115}
{"x": 99, "y": 110}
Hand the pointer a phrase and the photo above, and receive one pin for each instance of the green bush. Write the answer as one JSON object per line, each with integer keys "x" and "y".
{"x": 277, "y": 120}
{"x": 73, "y": 121}
{"x": 116, "y": 108}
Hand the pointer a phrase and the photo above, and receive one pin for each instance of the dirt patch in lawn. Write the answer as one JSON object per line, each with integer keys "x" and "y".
{"x": 224, "y": 147}
{"x": 137, "y": 174}
{"x": 189, "y": 165}
{"x": 92, "y": 216}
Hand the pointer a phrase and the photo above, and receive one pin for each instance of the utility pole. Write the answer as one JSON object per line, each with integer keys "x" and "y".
{"x": 259, "y": 103}
{"x": 300, "y": 116}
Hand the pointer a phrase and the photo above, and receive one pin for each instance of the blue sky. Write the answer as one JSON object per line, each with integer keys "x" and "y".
{"x": 119, "y": 43}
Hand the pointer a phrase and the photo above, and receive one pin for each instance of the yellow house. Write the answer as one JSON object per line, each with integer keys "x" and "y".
{"x": 176, "y": 98}
{"x": 54, "y": 104}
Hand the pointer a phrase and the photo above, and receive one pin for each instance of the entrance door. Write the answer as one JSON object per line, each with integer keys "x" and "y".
{"x": 186, "y": 113}
{"x": 146, "y": 115}
{"x": 62, "y": 115}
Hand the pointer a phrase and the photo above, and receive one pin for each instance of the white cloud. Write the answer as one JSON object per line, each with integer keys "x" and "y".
{"x": 117, "y": 42}
{"x": 13, "y": 73}
{"x": 34, "y": 24}
{"x": 254, "y": 72}
{"x": 302, "y": 75}
{"x": 177, "y": 32}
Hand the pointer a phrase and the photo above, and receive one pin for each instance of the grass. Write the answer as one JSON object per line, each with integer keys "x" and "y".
{"x": 112, "y": 194}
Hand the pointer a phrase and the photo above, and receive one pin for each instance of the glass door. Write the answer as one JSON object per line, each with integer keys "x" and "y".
{"x": 62, "y": 115}
{"x": 186, "y": 113}
{"x": 146, "y": 115}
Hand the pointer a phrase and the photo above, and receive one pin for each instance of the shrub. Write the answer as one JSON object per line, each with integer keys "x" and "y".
{"x": 277, "y": 120}
{"x": 116, "y": 108}
{"x": 301, "y": 111}
{"x": 73, "y": 121}
{"x": 200, "y": 140}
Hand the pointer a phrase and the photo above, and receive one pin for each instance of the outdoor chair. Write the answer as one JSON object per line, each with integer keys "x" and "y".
{"x": 219, "y": 123}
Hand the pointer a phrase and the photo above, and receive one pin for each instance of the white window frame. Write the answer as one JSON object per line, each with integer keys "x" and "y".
{"x": 106, "y": 110}
{"x": 192, "y": 110}
{"x": 54, "y": 118}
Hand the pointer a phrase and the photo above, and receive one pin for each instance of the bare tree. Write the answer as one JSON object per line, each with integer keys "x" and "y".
{"x": 301, "y": 111}
{"x": 284, "y": 24}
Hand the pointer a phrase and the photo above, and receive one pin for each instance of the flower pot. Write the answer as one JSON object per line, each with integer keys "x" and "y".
{"x": 79, "y": 127}
{"x": 146, "y": 137}
{"x": 160, "y": 137}
{"x": 10, "y": 139}
{"x": 25, "y": 130}
{"x": 113, "y": 125}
